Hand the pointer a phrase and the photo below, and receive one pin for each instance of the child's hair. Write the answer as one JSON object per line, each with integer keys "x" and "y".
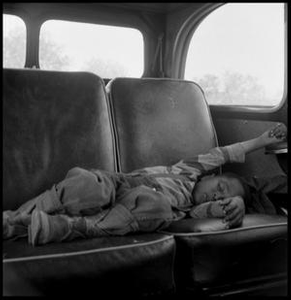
{"x": 247, "y": 191}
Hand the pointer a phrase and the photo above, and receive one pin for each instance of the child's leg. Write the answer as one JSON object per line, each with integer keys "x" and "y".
{"x": 14, "y": 225}
{"x": 45, "y": 228}
{"x": 149, "y": 208}
{"x": 140, "y": 209}
{"x": 84, "y": 192}
{"x": 15, "y": 222}
{"x": 81, "y": 193}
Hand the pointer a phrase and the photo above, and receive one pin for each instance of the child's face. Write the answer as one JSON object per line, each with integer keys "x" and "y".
{"x": 212, "y": 188}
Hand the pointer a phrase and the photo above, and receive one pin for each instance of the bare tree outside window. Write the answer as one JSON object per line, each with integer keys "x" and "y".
{"x": 231, "y": 88}
{"x": 108, "y": 68}
{"x": 71, "y": 46}
{"x": 53, "y": 55}
{"x": 14, "y": 46}
{"x": 107, "y": 51}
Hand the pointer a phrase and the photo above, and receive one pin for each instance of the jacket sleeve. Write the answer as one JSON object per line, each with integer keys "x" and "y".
{"x": 216, "y": 157}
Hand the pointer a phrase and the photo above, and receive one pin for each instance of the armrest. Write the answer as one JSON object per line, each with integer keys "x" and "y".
{"x": 279, "y": 148}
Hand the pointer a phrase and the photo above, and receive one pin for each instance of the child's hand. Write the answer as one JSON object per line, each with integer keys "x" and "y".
{"x": 234, "y": 208}
{"x": 275, "y": 134}
{"x": 207, "y": 210}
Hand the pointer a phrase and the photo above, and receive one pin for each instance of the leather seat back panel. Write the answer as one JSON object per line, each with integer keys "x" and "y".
{"x": 53, "y": 121}
{"x": 159, "y": 121}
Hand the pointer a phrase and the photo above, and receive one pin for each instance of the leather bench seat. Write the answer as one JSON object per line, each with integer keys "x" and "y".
{"x": 137, "y": 265}
{"x": 159, "y": 122}
{"x": 208, "y": 257}
{"x": 54, "y": 121}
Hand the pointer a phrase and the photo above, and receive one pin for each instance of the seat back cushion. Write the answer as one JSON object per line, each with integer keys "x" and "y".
{"x": 159, "y": 121}
{"x": 53, "y": 121}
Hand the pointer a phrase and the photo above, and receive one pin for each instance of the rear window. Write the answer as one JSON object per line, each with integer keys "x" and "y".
{"x": 108, "y": 51}
{"x": 237, "y": 54}
{"x": 14, "y": 41}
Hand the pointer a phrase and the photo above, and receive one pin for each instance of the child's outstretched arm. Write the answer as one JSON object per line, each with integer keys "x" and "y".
{"x": 218, "y": 156}
{"x": 272, "y": 136}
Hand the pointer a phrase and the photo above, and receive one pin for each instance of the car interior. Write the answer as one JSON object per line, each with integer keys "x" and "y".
{"x": 58, "y": 116}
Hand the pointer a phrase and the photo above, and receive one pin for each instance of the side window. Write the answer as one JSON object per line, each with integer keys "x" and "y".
{"x": 108, "y": 51}
{"x": 237, "y": 55}
{"x": 14, "y": 42}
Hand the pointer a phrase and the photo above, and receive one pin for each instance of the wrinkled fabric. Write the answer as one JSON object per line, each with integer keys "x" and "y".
{"x": 178, "y": 181}
{"x": 260, "y": 189}
{"x": 84, "y": 192}
{"x": 138, "y": 209}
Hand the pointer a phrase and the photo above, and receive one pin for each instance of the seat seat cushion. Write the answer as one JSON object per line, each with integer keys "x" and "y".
{"x": 208, "y": 256}
{"x": 128, "y": 265}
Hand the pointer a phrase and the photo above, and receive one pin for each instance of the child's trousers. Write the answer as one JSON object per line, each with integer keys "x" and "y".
{"x": 111, "y": 203}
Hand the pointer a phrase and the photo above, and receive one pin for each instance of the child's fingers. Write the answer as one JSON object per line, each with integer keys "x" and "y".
{"x": 235, "y": 222}
{"x": 279, "y": 131}
{"x": 225, "y": 201}
{"x": 231, "y": 214}
{"x": 280, "y": 135}
{"x": 234, "y": 219}
{"x": 232, "y": 205}
{"x": 273, "y": 131}
{"x": 229, "y": 208}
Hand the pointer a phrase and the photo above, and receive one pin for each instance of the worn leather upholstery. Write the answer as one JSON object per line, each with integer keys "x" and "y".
{"x": 136, "y": 265}
{"x": 255, "y": 251}
{"x": 54, "y": 121}
{"x": 159, "y": 121}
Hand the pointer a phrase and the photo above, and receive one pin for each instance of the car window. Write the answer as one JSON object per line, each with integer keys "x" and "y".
{"x": 108, "y": 51}
{"x": 14, "y": 41}
{"x": 237, "y": 54}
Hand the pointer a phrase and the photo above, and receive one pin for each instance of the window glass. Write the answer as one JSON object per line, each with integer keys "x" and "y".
{"x": 237, "y": 55}
{"x": 108, "y": 51}
{"x": 14, "y": 42}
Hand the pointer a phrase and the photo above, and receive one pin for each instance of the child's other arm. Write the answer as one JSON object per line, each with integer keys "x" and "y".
{"x": 232, "y": 210}
{"x": 272, "y": 136}
{"x": 208, "y": 210}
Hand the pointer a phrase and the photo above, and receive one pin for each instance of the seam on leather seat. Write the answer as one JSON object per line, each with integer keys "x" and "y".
{"x": 59, "y": 255}
{"x": 229, "y": 231}
{"x": 113, "y": 124}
